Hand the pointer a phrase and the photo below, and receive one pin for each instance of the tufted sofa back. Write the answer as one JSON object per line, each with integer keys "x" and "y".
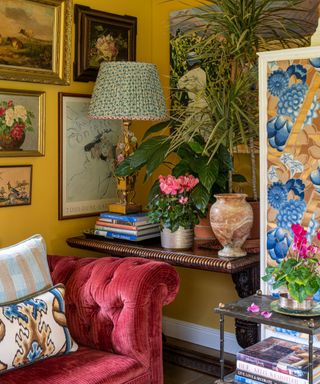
{"x": 115, "y": 304}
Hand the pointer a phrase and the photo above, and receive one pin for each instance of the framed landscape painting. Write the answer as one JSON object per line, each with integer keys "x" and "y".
{"x": 35, "y": 40}
{"x": 86, "y": 159}
{"x": 289, "y": 86}
{"x": 22, "y": 119}
{"x": 15, "y": 185}
{"x": 101, "y": 36}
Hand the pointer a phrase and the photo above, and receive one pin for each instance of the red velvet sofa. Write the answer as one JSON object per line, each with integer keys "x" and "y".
{"x": 114, "y": 312}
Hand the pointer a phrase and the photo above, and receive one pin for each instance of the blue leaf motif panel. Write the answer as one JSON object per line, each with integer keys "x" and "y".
{"x": 293, "y": 164}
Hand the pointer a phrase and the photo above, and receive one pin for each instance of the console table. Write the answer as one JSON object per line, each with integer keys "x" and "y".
{"x": 244, "y": 270}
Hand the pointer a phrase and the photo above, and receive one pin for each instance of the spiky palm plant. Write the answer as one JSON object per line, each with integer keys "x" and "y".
{"x": 233, "y": 32}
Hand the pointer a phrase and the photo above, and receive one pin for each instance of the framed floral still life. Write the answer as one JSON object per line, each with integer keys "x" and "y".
{"x": 86, "y": 159}
{"x": 102, "y": 36}
{"x": 35, "y": 40}
{"x": 15, "y": 185}
{"x": 289, "y": 86}
{"x": 22, "y": 117}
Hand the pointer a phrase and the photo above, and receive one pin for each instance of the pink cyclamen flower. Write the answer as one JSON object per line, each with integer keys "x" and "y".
{"x": 169, "y": 185}
{"x": 183, "y": 200}
{"x": 266, "y": 314}
{"x": 253, "y": 308}
{"x": 318, "y": 235}
{"x": 298, "y": 230}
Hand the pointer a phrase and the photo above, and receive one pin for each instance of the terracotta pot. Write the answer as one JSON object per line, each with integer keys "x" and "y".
{"x": 180, "y": 239}
{"x": 203, "y": 230}
{"x": 231, "y": 219}
{"x": 255, "y": 230}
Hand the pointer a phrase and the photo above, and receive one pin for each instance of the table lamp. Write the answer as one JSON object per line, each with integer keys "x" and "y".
{"x": 127, "y": 91}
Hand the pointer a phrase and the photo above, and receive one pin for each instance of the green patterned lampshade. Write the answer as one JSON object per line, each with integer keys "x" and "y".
{"x": 128, "y": 91}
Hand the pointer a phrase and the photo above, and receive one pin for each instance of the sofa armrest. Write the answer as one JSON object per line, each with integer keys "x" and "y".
{"x": 115, "y": 304}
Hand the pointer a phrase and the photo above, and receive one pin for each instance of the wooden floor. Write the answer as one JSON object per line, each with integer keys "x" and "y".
{"x": 173, "y": 374}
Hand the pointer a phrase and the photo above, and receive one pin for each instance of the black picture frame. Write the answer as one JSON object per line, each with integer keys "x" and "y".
{"x": 117, "y": 36}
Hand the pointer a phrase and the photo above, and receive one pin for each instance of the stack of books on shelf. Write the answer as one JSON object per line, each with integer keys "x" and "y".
{"x": 276, "y": 361}
{"x": 133, "y": 227}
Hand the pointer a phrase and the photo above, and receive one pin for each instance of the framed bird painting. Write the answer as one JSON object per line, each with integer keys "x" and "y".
{"x": 15, "y": 185}
{"x": 86, "y": 159}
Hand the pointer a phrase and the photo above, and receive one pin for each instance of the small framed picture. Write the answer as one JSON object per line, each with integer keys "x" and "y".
{"x": 35, "y": 40}
{"x": 15, "y": 185}
{"x": 102, "y": 36}
{"x": 22, "y": 117}
{"x": 86, "y": 159}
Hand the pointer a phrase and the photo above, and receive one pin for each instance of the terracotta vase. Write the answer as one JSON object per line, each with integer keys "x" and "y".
{"x": 9, "y": 143}
{"x": 231, "y": 219}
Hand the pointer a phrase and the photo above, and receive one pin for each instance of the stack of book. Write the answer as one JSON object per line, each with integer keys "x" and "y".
{"x": 276, "y": 361}
{"x": 133, "y": 227}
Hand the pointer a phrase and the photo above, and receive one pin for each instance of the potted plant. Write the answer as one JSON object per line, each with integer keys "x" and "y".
{"x": 297, "y": 276}
{"x": 175, "y": 210}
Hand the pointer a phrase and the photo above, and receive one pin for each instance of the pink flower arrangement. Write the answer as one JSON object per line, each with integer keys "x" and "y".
{"x": 170, "y": 185}
{"x": 299, "y": 271}
{"x": 174, "y": 205}
{"x": 300, "y": 243}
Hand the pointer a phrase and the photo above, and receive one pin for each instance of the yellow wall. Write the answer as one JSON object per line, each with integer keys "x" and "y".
{"x": 200, "y": 291}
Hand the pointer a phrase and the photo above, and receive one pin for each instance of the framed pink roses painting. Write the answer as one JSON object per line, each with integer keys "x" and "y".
{"x": 102, "y": 36}
{"x": 21, "y": 123}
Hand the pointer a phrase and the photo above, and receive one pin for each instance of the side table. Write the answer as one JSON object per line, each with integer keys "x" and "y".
{"x": 238, "y": 309}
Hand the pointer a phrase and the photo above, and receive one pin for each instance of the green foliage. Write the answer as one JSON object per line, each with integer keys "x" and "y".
{"x": 171, "y": 214}
{"x": 212, "y": 171}
{"x": 232, "y": 33}
{"x": 299, "y": 276}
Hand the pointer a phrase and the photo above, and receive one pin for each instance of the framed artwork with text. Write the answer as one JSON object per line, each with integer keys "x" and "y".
{"x": 86, "y": 159}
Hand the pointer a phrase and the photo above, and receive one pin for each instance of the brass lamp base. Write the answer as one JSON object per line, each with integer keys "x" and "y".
{"x": 124, "y": 208}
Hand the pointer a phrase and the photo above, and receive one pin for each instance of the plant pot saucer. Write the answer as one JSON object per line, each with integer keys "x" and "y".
{"x": 315, "y": 311}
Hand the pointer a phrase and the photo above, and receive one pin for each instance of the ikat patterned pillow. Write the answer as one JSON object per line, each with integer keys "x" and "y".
{"x": 24, "y": 269}
{"x": 34, "y": 329}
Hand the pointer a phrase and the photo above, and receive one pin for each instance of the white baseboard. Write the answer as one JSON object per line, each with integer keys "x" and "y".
{"x": 198, "y": 334}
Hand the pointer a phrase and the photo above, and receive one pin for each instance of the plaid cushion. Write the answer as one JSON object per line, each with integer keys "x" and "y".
{"x": 24, "y": 269}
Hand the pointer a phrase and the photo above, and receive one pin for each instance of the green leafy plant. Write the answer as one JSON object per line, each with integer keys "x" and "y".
{"x": 299, "y": 271}
{"x": 173, "y": 205}
{"x": 212, "y": 171}
{"x": 232, "y": 33}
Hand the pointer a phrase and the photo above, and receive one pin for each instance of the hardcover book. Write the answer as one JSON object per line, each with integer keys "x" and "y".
{"x": 282, "y": 356}
{"x": 130, "y": 227}
{"x": 131, "y": 218}
{"x": 139, "y": 232}
{"x": 243, "y": 376}
{"x": 273, "y": 375}
{"x": 123, "y": 236}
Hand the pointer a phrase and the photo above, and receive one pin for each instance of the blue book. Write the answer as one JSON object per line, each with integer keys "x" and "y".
{"x": 132, "y": 218}
{"x": 246, "y": 380}
{"x": 123, "y": 236}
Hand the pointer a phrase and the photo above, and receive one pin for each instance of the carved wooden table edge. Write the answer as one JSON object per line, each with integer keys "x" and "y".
{"x": 188, "y": 259}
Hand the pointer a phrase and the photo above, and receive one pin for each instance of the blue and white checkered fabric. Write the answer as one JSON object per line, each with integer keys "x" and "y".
{"x": 24, "y": 269}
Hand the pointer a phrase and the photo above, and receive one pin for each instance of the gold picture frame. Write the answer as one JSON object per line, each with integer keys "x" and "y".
{"x": 22, "y": 122}
{"x": 35, "y": 41}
